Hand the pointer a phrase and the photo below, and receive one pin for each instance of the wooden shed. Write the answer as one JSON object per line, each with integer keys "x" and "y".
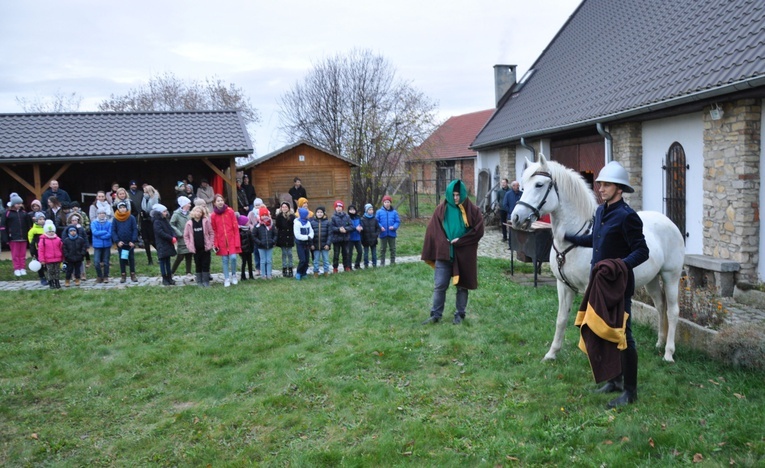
{"x": 325, "y": 175}
{"x": 87, "y": 151}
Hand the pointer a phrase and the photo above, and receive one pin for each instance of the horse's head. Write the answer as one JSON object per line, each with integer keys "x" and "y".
{"x": 540, "y": 194}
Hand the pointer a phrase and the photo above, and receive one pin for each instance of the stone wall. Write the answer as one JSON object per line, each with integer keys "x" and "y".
{"x": 628, "y": 150}
{"x": 507, "y": 162}
{"x": 732, "y": 185}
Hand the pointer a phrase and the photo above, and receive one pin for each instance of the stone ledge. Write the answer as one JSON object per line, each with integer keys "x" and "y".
{"x": 688, "y": 333}
{"x": 711, "y": 263}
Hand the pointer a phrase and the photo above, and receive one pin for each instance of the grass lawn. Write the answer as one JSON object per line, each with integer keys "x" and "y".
{"x": 338, "y": 371}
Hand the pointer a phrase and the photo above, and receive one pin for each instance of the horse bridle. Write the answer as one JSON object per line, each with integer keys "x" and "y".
{"x": 560, "y": 257}
{"x": 535, "y": 210}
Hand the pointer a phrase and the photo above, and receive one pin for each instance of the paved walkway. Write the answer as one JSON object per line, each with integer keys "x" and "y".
{"x": 491, "y": 246}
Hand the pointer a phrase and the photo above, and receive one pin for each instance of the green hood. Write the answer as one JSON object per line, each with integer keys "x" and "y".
{"x": 455, "y": 219}
{"x": 450, "y": 190}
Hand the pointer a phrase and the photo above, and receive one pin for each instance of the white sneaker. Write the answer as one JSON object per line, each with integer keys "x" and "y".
{"x": 16, "y": 272}
{"x": 226, "y": 283}
{"x": 234, "y": 280}
{"x": 23, "y": 272}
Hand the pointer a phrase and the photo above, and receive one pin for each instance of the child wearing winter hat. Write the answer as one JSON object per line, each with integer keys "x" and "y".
{"x": 354, "y": 241}
{"x": 34, "y": 238}
{"x": 17, "y": 224}
{"x": 101, "y": 228}
{"x": 50, "y": 252}
{"x": 125, "y": 235}
{"x": 341, "y": 227}
{"x": 264, "y": 236}
{"x": 74, "y": 253}
{"x": 303, "y": 237}
{"x": 200, "y": 240}
{"x": 285, "y": 237}
{"x": 321, "y": 242}
{"x": 370, "y": 230}
{"x": 389, "y": 221}
{"x": 75, "y": 219}
{"x": 248, "y": 245}
{"x": 165, "y": 240}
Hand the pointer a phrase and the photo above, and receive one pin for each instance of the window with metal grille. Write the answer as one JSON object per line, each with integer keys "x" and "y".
{"x": 674, "y": 200}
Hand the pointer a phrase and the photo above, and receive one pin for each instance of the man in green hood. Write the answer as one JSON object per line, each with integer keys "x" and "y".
{"x": 451, "y": 248}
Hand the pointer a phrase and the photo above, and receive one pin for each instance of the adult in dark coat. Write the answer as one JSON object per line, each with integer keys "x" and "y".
{"x": 249, "y": 190}
{"x": 297, "y": 191}
{"x": 512, "y": 197}
{"x": 617, "y": 233}
{"x": 54, "y": 191}
{"x": 451, "y": 248}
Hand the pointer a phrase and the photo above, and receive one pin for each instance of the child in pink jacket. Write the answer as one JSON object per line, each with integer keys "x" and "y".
{"x": 50, "y": 252}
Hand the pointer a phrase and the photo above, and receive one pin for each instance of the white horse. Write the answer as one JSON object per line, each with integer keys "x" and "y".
{"x": 549, "y": 187}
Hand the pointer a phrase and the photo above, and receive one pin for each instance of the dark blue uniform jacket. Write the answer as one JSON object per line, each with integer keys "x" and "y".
{"x": 616, "y": 233}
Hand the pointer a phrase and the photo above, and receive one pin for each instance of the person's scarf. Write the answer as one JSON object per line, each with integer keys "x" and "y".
{"x": 220, "y": 211}
{"x": 121, "y": 216}
{"x": 266, "y": 221}
{"x": 455, "y": 218}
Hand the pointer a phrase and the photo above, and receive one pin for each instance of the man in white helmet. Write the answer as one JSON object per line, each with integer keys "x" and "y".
{"x": 617, "y": 234}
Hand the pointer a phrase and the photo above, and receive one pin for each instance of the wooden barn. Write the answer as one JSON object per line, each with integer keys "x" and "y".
{"x": 326, "y": 176}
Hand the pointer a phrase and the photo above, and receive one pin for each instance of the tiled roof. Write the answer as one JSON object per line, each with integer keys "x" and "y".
{"x": 452, "y": 139}
{"x": 617, "y": 58}
{"x": 119, "y": 135}
{"x": 284, "y": 149}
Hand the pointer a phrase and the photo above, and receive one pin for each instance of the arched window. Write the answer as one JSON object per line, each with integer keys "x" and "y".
{"x": 675, "y": 186}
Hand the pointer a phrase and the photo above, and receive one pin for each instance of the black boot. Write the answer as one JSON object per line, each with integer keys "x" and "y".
{"x": 58, "y": 284}
{"x": 166, "y": 280}
{"x": 613, "y": 385}
{"x": 628, "y": 396}
{"x": 289, "y": 272}
{"x": 148, "y": 255}
{"x": 52, "y": 284}
{"x": 199, "y": 278}
{"x": 244, "y": 277}
{"x": 206, "y": 279}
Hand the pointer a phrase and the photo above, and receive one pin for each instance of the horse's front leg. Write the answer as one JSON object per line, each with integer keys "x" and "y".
{"x": 565, "y": 298}
{"x": 671, "y": 293}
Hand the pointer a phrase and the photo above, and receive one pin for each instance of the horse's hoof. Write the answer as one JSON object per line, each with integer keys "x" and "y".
{"x": 548, "y": 357}
{"x": 669, "y": 358}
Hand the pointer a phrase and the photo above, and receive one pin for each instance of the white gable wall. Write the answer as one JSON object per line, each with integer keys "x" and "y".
{"x": 658, "y": 136}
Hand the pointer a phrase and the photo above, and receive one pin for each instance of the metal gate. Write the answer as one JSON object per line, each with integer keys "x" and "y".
{"x": 676, "y": 168}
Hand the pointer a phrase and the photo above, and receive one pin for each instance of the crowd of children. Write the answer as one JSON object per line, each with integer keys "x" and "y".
{"x": 194, "y": 234}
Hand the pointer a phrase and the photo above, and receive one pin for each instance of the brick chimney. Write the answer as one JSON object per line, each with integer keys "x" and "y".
{"x": 504, "y": 79}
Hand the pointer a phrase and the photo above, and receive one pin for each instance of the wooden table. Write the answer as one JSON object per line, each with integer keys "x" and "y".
{"x": 535, "y": 243}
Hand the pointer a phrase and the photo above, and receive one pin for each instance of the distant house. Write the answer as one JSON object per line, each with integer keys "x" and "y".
{"x": 677, "y": 90}
{"x": 88, "y": 151}
{"x": 446, "y": 155}
{"x": 325, "y": 175}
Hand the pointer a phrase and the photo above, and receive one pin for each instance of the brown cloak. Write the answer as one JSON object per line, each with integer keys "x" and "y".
{"x": 436, "y": 245}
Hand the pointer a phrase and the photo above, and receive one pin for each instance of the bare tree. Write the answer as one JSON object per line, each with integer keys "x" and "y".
{"x": 354, "y": 106}
{"x": 169, "y": 93}
{"x": 59, "y": 102}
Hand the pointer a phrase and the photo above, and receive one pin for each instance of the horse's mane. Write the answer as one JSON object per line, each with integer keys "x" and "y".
{"x": 571, "y": 185}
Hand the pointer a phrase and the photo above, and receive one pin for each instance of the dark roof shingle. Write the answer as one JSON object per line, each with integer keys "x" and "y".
{"x": 93, "y": 135}
{"x": 618, "y": 57}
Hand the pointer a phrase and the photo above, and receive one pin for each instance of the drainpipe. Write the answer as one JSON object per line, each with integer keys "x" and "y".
{"x": 530, "y": 148}
{"x": 609, "y": 142}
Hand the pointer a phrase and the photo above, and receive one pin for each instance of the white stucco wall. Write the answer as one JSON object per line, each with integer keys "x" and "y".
{"x": 487, "y": 160}
{"x": 658, "y": 136}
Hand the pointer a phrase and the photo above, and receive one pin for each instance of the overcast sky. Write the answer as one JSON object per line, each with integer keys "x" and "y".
{"x": 99, "y": 47}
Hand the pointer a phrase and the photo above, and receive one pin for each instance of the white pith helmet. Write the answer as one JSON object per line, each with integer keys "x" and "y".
{"x": 616, "y": 174}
